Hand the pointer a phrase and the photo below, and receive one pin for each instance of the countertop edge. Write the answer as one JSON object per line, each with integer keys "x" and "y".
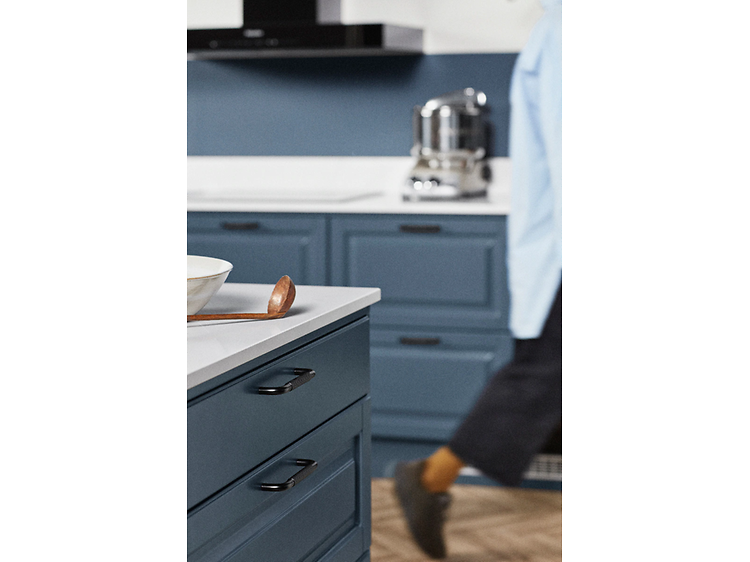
{"x": 257, "y": 349}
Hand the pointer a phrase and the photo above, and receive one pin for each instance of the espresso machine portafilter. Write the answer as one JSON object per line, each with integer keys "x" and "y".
{"x": 450, "y": 144}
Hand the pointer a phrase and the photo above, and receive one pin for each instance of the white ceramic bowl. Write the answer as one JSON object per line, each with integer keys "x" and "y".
{"x": 204, "y": 277}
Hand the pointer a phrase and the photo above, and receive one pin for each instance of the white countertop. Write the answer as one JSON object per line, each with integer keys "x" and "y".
{"x": 325, "y": 184}
{"x": 214, "y": 347}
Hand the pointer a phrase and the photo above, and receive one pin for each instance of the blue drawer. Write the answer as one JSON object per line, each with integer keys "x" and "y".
{"x": 424, "y": 382}
{"x": 323, "y": 512}
{"x": 432, "y": 270}
{"x": 235, "y": 428}
{"x": 262, "y": 247}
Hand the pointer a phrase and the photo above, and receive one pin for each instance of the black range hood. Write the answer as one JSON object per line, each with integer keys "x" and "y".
{"x": 299, "y": 28}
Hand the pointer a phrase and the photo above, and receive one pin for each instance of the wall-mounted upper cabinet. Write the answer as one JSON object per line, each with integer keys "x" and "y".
{"x": 289, "y": 28}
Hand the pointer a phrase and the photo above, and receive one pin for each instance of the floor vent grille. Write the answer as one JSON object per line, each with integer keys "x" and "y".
{"x": 542, "y": 467}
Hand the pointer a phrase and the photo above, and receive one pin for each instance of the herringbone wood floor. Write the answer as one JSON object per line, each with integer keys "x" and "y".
{"x": 485, "y": 524}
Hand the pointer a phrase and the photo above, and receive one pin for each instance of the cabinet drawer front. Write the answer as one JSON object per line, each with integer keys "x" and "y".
{"x": 423, "y": 383}
{"x": 432, "y": 270}
{"x": 262, "y": 247}
{"x": 236, "y": 428}
{"x": 302, "y": 522}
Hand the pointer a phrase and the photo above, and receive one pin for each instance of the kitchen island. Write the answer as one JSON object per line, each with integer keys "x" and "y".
{"x": 279, "y": 428}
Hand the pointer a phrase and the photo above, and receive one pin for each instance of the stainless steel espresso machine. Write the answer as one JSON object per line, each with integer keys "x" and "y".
{"x": 450, "y": 144}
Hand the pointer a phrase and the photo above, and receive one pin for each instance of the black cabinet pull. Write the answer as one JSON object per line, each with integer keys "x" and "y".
{"x": 301, "y": 377}
{"x": 420, "y": 228}
{"x": 309, "y": 468}
{"x": 420, "y": 341}
{"x": 240, "y": 225}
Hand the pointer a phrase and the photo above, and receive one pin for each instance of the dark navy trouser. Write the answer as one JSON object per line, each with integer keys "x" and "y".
{"x": 519, "y": 408}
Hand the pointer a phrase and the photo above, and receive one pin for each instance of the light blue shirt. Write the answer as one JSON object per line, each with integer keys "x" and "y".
{"x": 535, "y": 220}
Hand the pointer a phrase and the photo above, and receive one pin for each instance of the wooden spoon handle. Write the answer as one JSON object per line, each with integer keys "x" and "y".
{"x": 237, "y": 316}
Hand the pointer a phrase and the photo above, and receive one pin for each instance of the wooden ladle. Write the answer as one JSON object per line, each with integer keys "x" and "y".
{"x": 279, "y": 304}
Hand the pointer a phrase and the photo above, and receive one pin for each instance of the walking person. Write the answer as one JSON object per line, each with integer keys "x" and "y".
{"x": 522, "y": 404}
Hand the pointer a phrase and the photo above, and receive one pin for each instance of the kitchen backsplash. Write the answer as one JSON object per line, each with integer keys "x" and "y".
{"x": 347, "y": 106}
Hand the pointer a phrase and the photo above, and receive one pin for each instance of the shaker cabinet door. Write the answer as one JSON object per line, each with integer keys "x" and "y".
{"x": 262, "y": 247}
{"x": 434, "y": 271}
{"x": 318, "y": 501}
{"x": 425, "y": 382}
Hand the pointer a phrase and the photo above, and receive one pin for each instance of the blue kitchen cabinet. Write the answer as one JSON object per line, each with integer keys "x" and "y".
{"x": 284, "y": 476}
{"x": 262, "y": 247}
{"x": 434, "y": 271}
{"x": 424, "y": 381}
{"x": 440, "y": 330}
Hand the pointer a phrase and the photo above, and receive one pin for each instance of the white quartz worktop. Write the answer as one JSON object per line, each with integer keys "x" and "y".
{"x": 214, "y": 347}
{"x": 291, "y": 184}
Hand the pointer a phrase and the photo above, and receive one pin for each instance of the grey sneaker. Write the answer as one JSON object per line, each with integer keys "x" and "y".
{"x": 425, "y": 512}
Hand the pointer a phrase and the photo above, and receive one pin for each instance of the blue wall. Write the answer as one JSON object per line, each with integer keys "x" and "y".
{"x": 347, "y": 106}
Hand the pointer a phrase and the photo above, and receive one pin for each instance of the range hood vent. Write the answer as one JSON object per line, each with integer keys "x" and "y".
{"x": 300, "y": 28}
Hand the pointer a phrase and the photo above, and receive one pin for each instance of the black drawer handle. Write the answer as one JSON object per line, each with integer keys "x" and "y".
{"x": 420, "y": 341}
{"x": 309, "y": 468}
{"x": 240, "y": 225}
{"x": 420, "y": 228}
{"x": 301, "y": 377}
